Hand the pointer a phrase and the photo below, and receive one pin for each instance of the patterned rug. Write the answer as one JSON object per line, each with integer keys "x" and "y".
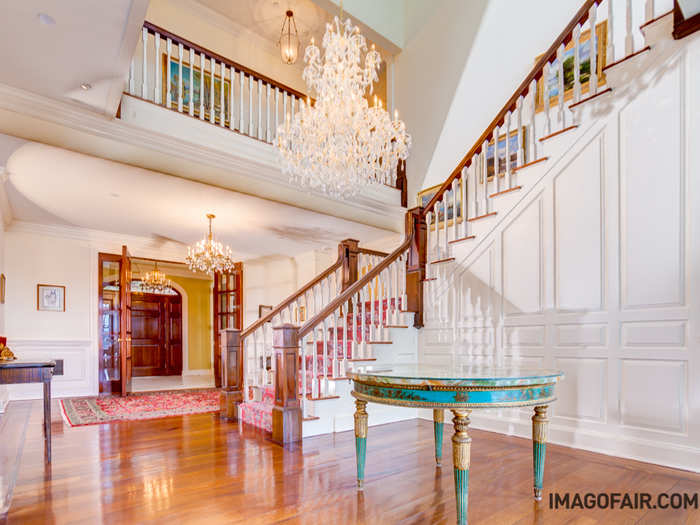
{"x": 147, "y": 405}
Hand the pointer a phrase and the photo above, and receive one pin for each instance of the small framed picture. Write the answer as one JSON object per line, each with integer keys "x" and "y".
{"x": 2, "y": 288}
{"x": 263, "y": 310}
{"x": 50, "y": 298}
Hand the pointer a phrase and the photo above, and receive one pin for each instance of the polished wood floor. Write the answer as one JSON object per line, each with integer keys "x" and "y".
{"x": 199, "y": 469}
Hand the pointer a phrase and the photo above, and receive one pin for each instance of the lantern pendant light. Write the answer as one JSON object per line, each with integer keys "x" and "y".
{"x": 289, "y": 39}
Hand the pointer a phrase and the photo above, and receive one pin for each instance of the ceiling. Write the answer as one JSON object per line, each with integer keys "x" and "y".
{"x": 52, "y": 185}
{"x": 88, "y": 42}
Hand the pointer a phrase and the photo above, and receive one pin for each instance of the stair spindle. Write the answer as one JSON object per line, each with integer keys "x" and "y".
{"x": 629, "y": 38}
{"x": 201, "y": 84}
{"x": 464, "y": 186}
{"x": 156, "y": 83}
{"x": 560, "y": 86}
{"x": 456, "y": 191}
{"x": 260, "y": 90}
{"x": 507, "y": 183}
{"x": 241, "y": 94}
{"x": 545, "y": 95}
{"x": 519, "y": 123}
{"x": 250, "y": 106}
{"x": 533, "y": 111}
{"x": 190, "y": 102}
{"x": 593, "y": 82}
{"x": 144, "y": 63}
{"x": 304, "y": 386}
{"x": 168, "y": 73}
{"x": 577, "y": 64}
{"x": 277, "y": 109}
{"x": 179, "y": 77}
{"x": 610, "y": 50}
{"x": 231, "y": 120}
{"x": 222, "y": 103}
{"x": 268, "y": 134}
{"x": 212, "y": 106}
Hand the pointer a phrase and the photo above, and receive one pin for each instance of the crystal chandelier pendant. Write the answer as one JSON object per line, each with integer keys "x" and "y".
{"x": 155, "y": 281}
{"x": 340, "y": 144}
{"x": 209, "y": 256}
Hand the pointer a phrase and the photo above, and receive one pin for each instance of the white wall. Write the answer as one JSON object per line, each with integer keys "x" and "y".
{"x": 595, "y": 272}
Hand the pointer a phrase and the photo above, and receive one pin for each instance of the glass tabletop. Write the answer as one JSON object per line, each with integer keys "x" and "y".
{"x": 453, "y": 374}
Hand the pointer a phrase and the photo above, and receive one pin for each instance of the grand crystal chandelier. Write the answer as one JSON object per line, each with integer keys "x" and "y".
{"x": 340, "y": 144}
{"x": 209, "y": 256}
{"x": 155, "y": 281}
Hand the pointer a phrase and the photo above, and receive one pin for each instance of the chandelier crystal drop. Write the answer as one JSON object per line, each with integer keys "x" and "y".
{"x": 155, "y": 281}
{"x": 209, "y": 256}
{"x": 340, "y": 144}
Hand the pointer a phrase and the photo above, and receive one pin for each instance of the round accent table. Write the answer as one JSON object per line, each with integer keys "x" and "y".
{"x": 459, "y": 388}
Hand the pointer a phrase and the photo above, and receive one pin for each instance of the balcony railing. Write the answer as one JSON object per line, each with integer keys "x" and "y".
{"x": 175, "y": 73}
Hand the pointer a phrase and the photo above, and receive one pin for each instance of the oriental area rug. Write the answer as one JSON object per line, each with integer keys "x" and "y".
{"x": 147, "y": 405}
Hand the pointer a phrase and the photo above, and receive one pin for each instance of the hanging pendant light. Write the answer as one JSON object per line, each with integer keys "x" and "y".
{"x": 289, "y": 39}
{"x": 209, "y": 256}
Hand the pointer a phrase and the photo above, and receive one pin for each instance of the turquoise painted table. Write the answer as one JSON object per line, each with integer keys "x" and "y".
{"x": 460, "y": 389}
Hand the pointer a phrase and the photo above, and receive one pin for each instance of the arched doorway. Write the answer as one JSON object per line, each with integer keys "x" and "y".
{"x": 156, "y": 340}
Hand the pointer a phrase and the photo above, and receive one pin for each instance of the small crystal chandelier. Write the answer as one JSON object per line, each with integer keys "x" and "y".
{"x": 155, "y": 281}
{"x": 208, "y": 255}
{"x": 341, "y": 144}
{"x": 289, "y": 39}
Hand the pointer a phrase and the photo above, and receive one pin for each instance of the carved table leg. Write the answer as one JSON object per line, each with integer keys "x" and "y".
{"x": 438, "y": 424}
{"x": 539, "y": 446}
{"x": 360, "y": 439}
{"x": 461, "y": 444}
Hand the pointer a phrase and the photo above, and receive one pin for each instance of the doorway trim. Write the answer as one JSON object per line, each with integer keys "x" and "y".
{"x": 185, "y": 327}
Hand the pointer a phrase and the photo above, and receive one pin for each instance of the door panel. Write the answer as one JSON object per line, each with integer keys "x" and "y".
{"x": 228, "y": 310}
{"x": 125, "y": 312}
{"x": 109, "y": 325}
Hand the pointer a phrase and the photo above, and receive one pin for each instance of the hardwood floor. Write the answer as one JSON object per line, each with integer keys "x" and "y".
{"x": 199, "y": 469}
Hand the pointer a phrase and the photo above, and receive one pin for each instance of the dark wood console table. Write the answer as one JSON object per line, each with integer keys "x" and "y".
{"x": 20, "y": 371}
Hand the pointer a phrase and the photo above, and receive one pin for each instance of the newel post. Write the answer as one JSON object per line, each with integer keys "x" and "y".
{"x": 286, "y": 414}
{"x": 231, "y": 372}
{"x": 348, "y": 250}
{"x": 415, "y": 266}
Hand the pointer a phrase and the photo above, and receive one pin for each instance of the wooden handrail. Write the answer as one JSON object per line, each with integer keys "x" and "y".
{"x": 152, "y": 28}
{"x": 564, "y": 37}
{"x": 371, "y": 252}
{"x": 289, "y": 300}
{"x": 354, "y": 288}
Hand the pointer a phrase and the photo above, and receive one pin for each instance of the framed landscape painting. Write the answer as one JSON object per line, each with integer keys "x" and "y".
{"x": 601, "y": 43}
{"x": 174, "y": 82}
{"x": 513, "y": 150}
{"x": 424, "y": 197}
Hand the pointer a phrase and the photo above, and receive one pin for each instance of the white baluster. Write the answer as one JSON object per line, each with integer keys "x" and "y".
{"x": 355, "y": 336}
{"x": 456, "y": 194}
{"x": 144, "y": 63}
{"x": 314, "y": 367}
{"x": 577, "y": 63}
{"x": 201, "y": 85}
{"x": 334, "y": 346}
{"x": 463, "y": 184}
{"x": 324, "y": 390}
{"x": 507, "y": 182}
{"x": 610, "y": 52}
{"x": 560, "y": 85}
{"x": 268, "y": 134}
{"x": 292, "y": 104}
{"x": 190, "y": 103}
{"x": 545, "y": 94}
{"x": 485, "y": 179}
{"x": 212, "y": 106}
{"x": 285, "y": 116}
{"x": 363, "y": 313}
{"x": 429, "y": 239}
{"x": 475, "y": 186}
{"x": 346, "y": 311}
{"x": 593, "y": 82}
{"x": 250, "y": 104}
{"x": 242, "y": 122}
{"x": 496, "y": 174}
{"x": 533, "y": 111}
{"x": 445, "y": 205}
{"x": 131, "y": 85}
{"x": 231, "y": 99}
{"x": 629, "y": 38}
{"x": 156, "y": 84}
{"x": 519, "y": 123}
{"x": 179, "y": 78}
{"x": 260, "y": 90}
{"x": 277, "y": 109}
{"x": 222, "y": 102}
{"x": 168, "y": 72}
{"x": 304, "y": 386}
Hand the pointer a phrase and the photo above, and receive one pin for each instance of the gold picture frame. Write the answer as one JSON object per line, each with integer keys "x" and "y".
{"x": 2, "y": 288}
{"x": 584, "y": 54}
{"x": 196, "y": 86}
{"x": 424, "y": 197}
{"x": 50, "y": 298}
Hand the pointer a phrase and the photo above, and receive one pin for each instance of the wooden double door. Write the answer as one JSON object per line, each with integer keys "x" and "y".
{"x": 156, "y": 338}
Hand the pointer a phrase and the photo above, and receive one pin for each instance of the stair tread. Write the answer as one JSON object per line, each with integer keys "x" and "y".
{"x": 321, "y": 398}
{"x": 447, "y": 259}
{"x": 396, "y": 326}
{"x": 656, "y": 19}
{"x": 624, "y": 59}
{"x": 311, "y": 418}
{"x": 379, "y": 342}
{"x": 362, "y": 359}
{"x": 556, "y": 133}
{"x": 429, "y": 279}
{"x": 609, "y": 90}
{"x": 468, "y": 237}
{"x": 532, "y": 163}
{"x": 491, "y": 214}
{"x": 514, "y": 188}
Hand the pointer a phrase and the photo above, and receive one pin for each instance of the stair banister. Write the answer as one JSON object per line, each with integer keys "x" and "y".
{"x": 564, "y": 37}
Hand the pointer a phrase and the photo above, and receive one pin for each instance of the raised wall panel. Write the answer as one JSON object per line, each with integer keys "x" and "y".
{"x": 583, "y": 391}
{"x": 653, "y": 394}
{"x": 654, "y": 333}
{"x": 581, "y": 335}
{"x": 515, "y": 336}
{"x": 578, "y": 230}
{"x": 522, "y": 262}
{"x": 652, "y": 206}
{"x": 524, "y": 361}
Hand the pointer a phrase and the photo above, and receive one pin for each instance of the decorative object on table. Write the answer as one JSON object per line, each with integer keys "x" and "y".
{"x": 340, "y": 145}
{"x": 172, "y": 77}
{"x": 147, "y": 405}
{"x": 513, "y": 146}
{"x": 460, "y": 389}
{"x": 601, "y": 42}
{"x": 5, "y": 353}
{"x": 155, "y": 281}
{"x": 2, "y": 288}
{"x": 263, "y": 310}
{"x": 210, "y": 256}
{"x": 50, "y": 298}
{"x": 424, "y": 197}
{"x": 289, "y": 39}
